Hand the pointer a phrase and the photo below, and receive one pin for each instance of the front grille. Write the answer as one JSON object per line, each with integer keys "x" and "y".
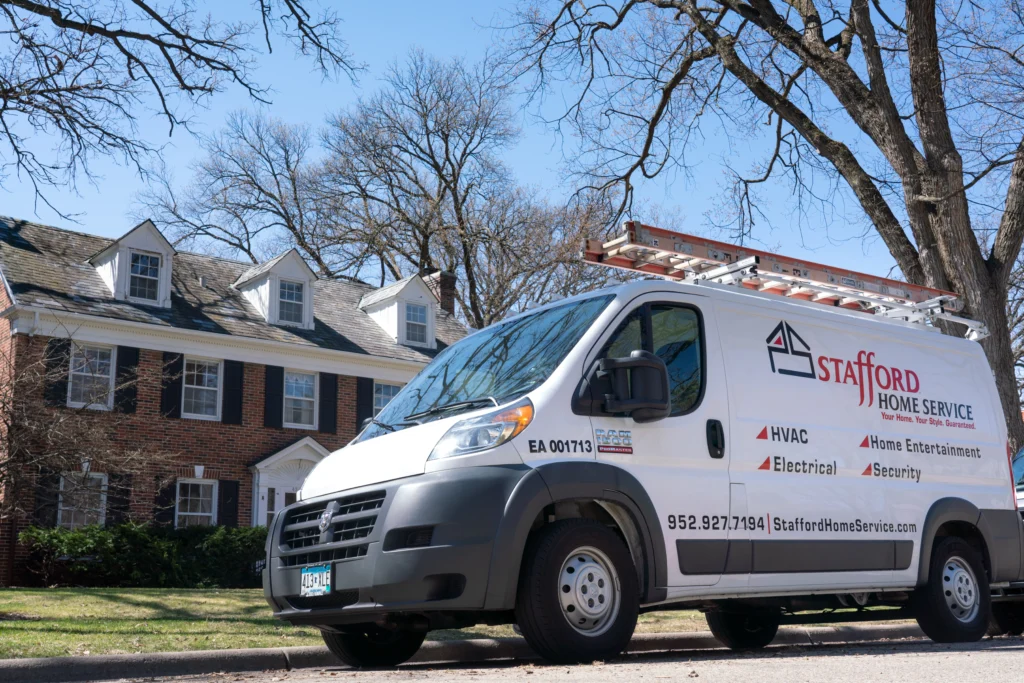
{"x": 349, "y": 552}
{"x": 349, "y": 524}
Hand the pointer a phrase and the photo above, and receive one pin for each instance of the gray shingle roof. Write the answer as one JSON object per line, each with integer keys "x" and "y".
{"x": 384, "y": 292}
{"x": 265, "y": 267}
{"x": 47, "y": 267}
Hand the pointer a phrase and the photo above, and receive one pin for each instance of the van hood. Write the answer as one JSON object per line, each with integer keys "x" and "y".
{"x": 391, "y": 456}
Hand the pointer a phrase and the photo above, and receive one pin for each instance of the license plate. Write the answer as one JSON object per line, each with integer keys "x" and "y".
{"x": 316, "y": 580}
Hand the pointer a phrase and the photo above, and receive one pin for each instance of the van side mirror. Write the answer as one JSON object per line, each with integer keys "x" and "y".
{"x": 637, "y": 386}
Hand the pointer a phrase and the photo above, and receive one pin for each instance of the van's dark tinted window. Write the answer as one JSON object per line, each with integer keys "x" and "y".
{"x": 674, "y": 335}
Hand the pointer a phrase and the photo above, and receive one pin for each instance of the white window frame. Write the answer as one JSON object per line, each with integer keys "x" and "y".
{"x": 316, "y": 400}
{"x": 305, "y": 290}
{"x": 103, "y": 496}
{"x": 159, "y": 277}
{"x": 113, "y": 376}
{"x": 220, "y": 388}
{"x": 177, "y": 499}
{"x": 377, "y": 383}
{"x": 406, "y": 322}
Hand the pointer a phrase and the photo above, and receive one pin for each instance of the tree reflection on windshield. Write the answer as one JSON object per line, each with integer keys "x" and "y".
{"x": 503, "y": 362}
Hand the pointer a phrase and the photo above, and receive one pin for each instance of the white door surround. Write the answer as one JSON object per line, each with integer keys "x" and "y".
{"x": 278, "y": 477}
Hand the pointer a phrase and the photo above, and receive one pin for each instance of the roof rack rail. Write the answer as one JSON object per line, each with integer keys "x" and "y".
{"x": 677, "y": 256}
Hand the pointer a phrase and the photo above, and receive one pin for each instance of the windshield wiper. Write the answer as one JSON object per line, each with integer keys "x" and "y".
{"x": 452, "y": 406}
{"x": 383, "y": 425}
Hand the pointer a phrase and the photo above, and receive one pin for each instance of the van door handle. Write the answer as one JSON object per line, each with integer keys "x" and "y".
{"x": 716, "y": 439}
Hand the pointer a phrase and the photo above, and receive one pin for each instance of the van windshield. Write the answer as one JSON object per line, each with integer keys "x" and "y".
{"x": 498, "y": 364}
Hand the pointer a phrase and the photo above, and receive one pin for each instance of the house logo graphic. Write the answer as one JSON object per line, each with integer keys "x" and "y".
{"x": 788, "y": 353}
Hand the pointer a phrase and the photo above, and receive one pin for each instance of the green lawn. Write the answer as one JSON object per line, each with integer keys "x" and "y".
{"x": 59, "y": 622}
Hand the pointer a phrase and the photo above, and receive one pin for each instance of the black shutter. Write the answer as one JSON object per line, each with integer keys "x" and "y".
{"x": 328, "y": 422}
{"x": 47, "y": 498}
{"x": 170, "y": 390}
{"x": 273, "y": 397}
{"x": 57, "y": 362}
{"x": 227, "y": 502}
{"x": 119, "y": 497}
{"x": 163, "y": 510}
{"x": 231, "y": 408}
{"x": 126, "y": 390}
{"x": 364, "y": 401}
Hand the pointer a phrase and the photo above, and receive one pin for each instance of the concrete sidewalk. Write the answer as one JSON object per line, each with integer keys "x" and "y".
{"x": 108, "y": 667}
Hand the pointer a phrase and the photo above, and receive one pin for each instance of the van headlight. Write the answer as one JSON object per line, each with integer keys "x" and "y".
{"x": 484, "y": 432}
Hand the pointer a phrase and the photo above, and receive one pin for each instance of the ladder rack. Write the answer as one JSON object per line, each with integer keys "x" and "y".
{"x": 676, "y": 256}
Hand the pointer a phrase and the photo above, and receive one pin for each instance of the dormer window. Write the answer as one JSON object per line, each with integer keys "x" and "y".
{"x": 144, "y": 278}
{"x": 415, "y": 323}
{"x": 290, "y": 305}
{"x": 137, "y": 266}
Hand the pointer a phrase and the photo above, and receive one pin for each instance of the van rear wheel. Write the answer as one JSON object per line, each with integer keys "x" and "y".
{"x": 743, "y": 630}
{"x": 954, "y": 606}
{"x": 578, "y": 597}
{"x": 371, "y": 646}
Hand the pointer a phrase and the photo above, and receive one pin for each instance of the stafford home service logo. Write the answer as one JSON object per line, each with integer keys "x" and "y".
{"x": 790, "y": 355}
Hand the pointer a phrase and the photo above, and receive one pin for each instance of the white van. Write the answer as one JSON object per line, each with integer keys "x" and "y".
{"x": 652, "y": 446}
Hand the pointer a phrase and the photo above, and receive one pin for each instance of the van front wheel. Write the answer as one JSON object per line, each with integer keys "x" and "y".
{"x": 372, "y": 646}
{"x": 743, "y": 630}
{"x": 578, "y": 597}
{"x": 953, "y": 607}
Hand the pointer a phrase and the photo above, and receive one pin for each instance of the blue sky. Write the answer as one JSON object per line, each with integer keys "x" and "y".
{"x": 382, "y": 32}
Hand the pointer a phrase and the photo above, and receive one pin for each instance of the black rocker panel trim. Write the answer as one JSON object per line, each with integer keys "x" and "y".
{"x": 712, "y": 556}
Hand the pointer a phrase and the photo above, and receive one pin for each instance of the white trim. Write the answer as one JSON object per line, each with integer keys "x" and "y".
{"x": 220, "y": 387}
{"x": 316, "y": 400}
{"x": 71, "y": 375}
{"x": 177, "y": 498}
{"x": 159, "y": 278}
{"x": 99, "y": 330}
{"x": 103, "y": 495}
{"x": 286, "y": 453}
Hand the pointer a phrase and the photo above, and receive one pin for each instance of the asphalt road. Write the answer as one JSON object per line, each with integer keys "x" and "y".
{"x": 991, "y": 661}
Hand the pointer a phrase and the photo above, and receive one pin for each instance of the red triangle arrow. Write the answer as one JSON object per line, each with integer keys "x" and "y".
{"x": 867, "y": 471}
{"x": 778, "y": 341}
{"x": 766, "y": 465}
{"x": 763, "y": 434}
{"x": 864, "y": 443}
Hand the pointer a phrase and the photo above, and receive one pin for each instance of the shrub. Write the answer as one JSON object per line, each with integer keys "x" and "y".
{"x": 140, "y": 555}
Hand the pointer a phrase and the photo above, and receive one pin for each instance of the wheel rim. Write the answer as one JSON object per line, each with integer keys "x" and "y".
{"x": 960, "y": 589}
{"x": 589, "y": 591}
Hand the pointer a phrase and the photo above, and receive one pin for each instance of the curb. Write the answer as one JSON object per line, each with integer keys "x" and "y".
{"x": 107, "y": 667}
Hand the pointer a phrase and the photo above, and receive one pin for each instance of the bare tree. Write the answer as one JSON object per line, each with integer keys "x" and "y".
{"x": 50, "y": 447}
{"x": 917, "y": 116}
{"x": 255, "y": 193}
{"x": 79, "y": 74}
{"x": 408, "y": 181}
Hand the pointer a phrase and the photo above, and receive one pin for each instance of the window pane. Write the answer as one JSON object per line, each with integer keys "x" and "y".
{"x": 627, "y": 338}
{"x": 144, "y": 280}
{"x": 382, "y": 395}
{"x": 195, "y": 504}
{"x": 90, "y": 375}
{"x": 416, "y": 333}
{"x": 676, "y": 340}
{"x": 298, "y": 411}
{"x": 299, "y": 385}
{"x": 201, "y": 380}
{"x": 290, "y": 304}
{"x": 416, "y": 313}
{"x": 81, "y": 500}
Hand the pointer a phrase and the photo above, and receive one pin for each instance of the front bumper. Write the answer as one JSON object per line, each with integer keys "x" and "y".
{"x": 462, "y": 508}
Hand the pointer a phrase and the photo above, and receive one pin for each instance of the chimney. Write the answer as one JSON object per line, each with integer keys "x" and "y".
{"x": 442, "y": 284}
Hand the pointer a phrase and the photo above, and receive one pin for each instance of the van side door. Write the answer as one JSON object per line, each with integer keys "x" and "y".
{"x": 687, "y": 481}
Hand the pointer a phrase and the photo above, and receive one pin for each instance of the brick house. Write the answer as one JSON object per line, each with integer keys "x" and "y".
{"x": 248, "y": 374}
